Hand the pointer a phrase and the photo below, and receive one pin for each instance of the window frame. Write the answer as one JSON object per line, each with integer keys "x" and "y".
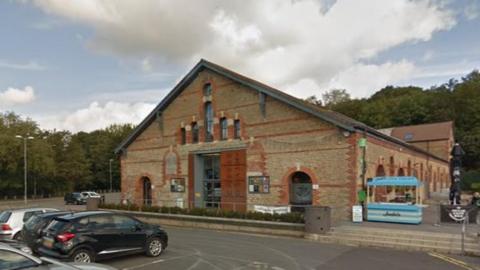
{"x": 223, "y": 128}
{"x": 237, "y": 129}
{"x": 195, "y": 132}
{"x": 207, "y": 89}
{"x": 208, "y": 115}
{"x": 183, "y": 136}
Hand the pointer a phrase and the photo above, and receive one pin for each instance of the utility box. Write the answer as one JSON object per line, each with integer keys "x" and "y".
{"x": 92, "y": 203}
{"x": 317, "y": 219}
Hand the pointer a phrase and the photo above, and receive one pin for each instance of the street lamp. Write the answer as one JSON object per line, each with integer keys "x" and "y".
{"x": 25, "y": 138}
{"x": 110, "y": 163}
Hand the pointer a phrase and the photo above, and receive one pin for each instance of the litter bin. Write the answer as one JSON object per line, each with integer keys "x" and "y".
{"x": 92, "y": 203}
{"x": 317, "y": 219}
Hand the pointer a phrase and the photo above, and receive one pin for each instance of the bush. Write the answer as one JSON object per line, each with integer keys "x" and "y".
{"x": 293, "y": 217}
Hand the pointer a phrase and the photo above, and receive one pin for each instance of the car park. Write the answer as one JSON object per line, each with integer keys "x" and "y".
{"x": 93, "y": 235}
{"x": 12, "y": 258}
{"x": 32, "y": 229}
{"x": 11, "y": 221}
{"x": 74, "y": 198}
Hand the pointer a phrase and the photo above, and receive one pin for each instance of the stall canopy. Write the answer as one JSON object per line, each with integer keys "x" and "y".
{"x": 395, "y": 181}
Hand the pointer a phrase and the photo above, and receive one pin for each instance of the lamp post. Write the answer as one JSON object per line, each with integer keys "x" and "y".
{"x": 25, "y": 138}
{"x": 110, "y": 163}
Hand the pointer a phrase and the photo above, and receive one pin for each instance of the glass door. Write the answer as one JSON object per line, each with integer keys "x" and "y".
{"x": 212, "y": 191}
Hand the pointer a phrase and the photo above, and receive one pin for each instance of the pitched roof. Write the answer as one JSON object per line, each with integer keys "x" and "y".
{"x": 425, "y": 132}
{"x": 334, "y": 118}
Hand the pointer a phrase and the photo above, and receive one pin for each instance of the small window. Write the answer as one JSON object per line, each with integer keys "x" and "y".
{"x": 194, "y": 132}
{"x": 236, "y": 129}
{"x": 183, "y": 134}
{"x": 207, "y": 89}
{"x": 408, "y": 136}
{"x": 224, "y": 128}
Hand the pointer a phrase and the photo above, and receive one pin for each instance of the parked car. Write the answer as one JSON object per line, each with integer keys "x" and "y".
{"x": 11, "y": 221}
{"x": 14, "y": 259}
{"x": 32, "y": 229}
{"x": 74, "y": 198}
{"x": 92, "y": 194}
{"x": 93, "y": 235}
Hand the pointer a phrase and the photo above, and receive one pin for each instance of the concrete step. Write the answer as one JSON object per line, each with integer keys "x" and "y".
{"x": 352, "y": 241}
{"x": 409, "y": 239}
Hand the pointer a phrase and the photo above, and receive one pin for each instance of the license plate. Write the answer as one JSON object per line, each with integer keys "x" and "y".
{"x": 48, "y": 242}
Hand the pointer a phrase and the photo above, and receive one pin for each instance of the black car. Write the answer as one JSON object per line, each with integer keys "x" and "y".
{"x": 74, "y": 198}
{"x": 32, "y": 229}
{"x": 93, "y": 235}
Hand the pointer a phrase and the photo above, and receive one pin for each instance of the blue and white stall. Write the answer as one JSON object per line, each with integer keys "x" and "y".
{"x": 402, "y": 204}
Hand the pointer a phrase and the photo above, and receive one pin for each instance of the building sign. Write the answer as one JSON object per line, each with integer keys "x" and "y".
{"x": 271, "y": 209}
{"x": 458, "y": 213}
{"x": 177, "y": 185}
{"x": 357, "y": 213}
{"x": 259, "y": 184}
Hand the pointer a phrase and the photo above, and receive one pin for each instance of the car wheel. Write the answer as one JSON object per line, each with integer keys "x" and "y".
{"x": 18, "y": 236}
{"x": 154, "y": 247}
{"x": 82, "y": 256}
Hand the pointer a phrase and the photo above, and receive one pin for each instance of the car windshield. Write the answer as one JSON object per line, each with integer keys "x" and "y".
{"x": 10, "y": 260}
{"x": 32, "y": 222}
{"x": 57, "y": 225}
{"x": 4, "y": 216}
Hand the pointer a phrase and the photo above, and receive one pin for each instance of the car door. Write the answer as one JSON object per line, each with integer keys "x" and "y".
{"x": 105, "y": 237}
{"x": 131, "y": 231}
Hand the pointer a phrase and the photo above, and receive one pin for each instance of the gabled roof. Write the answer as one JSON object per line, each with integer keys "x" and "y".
{"x": 425, "y": 132}
{"x": 334, "y": 118}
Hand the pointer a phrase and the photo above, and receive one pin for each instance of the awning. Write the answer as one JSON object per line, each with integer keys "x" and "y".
{"x": 395, "y": 181}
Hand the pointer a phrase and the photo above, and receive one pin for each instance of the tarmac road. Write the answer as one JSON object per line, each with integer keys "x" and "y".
{"x": 203, "y": 249}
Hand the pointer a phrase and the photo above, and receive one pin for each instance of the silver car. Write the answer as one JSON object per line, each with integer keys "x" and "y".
{"x": 11, "y": 221}
{"x": 14, "y": 259}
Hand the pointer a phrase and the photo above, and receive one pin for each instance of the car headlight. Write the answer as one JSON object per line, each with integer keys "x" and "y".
{"x": 26, "y": 250}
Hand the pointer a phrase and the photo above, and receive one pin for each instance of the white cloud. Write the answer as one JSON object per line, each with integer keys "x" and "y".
{"x": 31, "y": 65}
{"x": 359, "y": 77}
{"x": 97, "y": 116}
{"x": 472, "y": 10}
{"x": 15, "y": 96}
{"x": 278, "y": 42}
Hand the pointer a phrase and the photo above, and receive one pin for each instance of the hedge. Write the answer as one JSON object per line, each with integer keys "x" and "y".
{"x": 292, "y": 217}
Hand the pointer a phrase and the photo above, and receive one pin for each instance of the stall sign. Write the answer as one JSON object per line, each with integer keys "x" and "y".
{"x": 458, "y": 213}
{"x": 357, "y": 213}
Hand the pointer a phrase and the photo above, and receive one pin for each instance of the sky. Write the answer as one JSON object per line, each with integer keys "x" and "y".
{"x": 82, "y": 65}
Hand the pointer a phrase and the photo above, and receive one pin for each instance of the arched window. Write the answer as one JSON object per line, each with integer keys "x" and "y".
{"x": 207, "y": 89}
{"x": 183, "y": 136}
{"x": 223, "y": 128}
{"x": 380, "y": 171}
{"x": 236, "y": 129}
{"x": 208, "y": 122}
{"x": 392, "y": 166}
{"x": 194, "y": 132}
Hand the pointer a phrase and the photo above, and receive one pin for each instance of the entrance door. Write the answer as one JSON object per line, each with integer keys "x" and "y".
{"x": 147, "y": 191}
{"x": 212, "y": 187}
{"x": 233, "y": 178}
{"x": 300, "y": 191}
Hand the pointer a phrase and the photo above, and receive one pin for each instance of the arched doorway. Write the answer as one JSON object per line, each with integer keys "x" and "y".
{"x": 401, "y": 172}
{"x": 147, "y": 191}
{"x": 300, "y": 191}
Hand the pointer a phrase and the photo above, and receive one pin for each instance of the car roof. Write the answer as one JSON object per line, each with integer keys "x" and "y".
{"x": 77, "y": 215}
{"x": 20, "y": 210}
{"x": 55, "y": 213}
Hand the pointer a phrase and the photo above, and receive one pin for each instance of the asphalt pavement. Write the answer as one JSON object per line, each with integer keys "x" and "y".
{"x": 195, "y": 249}
{"x": 204, "y": 249}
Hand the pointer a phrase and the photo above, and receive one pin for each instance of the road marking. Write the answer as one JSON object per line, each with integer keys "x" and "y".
{"x": 451, "y": 260}
{"x": 143, "y": 265}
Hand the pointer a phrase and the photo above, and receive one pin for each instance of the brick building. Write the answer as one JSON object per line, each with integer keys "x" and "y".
{"x": 220, "y": 139}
